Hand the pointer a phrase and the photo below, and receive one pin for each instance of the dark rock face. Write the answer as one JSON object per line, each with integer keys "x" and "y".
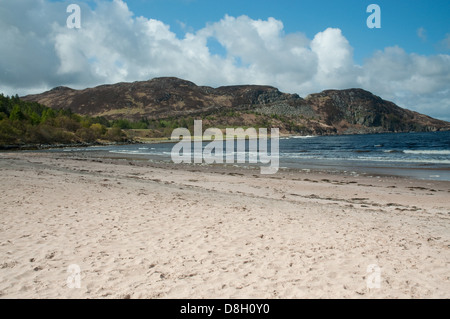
{"x": 358, "y": 107}
{"x": 328, "y": 112}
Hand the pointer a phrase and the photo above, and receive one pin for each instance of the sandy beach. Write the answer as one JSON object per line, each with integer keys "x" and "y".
{"x": 138, "y": 229}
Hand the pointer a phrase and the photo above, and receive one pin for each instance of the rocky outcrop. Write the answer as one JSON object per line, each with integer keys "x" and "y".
{"x": 360, "y": 108}
{"x": 328, "y": 112}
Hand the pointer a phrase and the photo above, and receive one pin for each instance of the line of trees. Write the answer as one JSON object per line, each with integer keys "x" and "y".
{"x": 24, "y": 122}
{"x": 145, "y": 123}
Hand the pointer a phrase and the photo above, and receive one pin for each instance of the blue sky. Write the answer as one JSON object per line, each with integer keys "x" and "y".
{"x": 298, "y": 46}
{"x": 401, "y": 19}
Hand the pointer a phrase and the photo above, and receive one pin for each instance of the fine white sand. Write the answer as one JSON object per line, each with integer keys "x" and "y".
{"x": 143, "y": 230}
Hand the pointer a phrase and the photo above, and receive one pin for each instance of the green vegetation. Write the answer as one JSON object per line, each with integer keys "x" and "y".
{"x": 29, "y": 123}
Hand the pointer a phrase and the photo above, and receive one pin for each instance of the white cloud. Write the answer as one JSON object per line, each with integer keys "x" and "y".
{"x": 422, "y": 34}
{"x": 267, "y": 54}
{"x": 445, "y": 43}
{"x": 39, "y": 52}
{"x": 335, "y": 56}
{"x": 411, "y": 80}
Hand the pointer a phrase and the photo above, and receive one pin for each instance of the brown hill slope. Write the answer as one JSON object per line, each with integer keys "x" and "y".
{"x": 332, "y": 111}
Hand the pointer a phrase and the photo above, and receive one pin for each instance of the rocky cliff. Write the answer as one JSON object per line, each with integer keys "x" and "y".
{"x": 328, "y": 112}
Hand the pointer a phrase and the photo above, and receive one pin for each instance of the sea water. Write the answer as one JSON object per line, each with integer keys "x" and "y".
{"x": 418, "y": 155}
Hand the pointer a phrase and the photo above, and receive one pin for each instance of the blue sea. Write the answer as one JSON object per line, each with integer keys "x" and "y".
{"x": 417, "y": 155}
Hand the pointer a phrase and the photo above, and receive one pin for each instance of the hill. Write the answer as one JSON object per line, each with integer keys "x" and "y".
{"x": 179, "y": 101}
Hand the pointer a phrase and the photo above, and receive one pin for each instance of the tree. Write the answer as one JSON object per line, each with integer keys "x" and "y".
{"x": 16, "y": 113}
{"x": 86, "y": 135}
{"x": 8, "y": 133}
{"x": 47, "y": 114}
{"x": 35, "y": 119}
{"x": 122, "y": 124}
{"x": 115, "y": 134}
{"x": 98, "y": 129}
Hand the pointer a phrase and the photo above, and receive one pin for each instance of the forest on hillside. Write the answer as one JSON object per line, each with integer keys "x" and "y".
{"x": 30, "y": 123}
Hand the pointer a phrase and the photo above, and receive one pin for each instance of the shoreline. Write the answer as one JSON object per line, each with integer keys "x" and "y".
{"x": 159, "y": 140}
{"x": 421, "y": 167}
{"x": 336, "y": 169}
{"x": 139, "y": 229}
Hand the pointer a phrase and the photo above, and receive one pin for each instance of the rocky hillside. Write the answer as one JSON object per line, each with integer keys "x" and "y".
{"x": 358, "y": 109}
{"x": 328, "y": 112}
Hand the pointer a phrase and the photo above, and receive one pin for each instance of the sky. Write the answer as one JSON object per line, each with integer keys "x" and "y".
{"x": 298, "y": 46}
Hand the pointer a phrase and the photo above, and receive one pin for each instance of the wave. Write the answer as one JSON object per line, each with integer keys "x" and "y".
{"x": 298, "y": 157}
{"x": 136, "y": 153}
{"x": 428, "y": 152}
{"x": 400, "y": 160}
{"x": 84, "y": 149}
{"x": 303, "y": 137}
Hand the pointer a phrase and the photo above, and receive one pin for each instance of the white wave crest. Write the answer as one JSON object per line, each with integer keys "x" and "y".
{"x": 303, "y": 137}
{"x": 428, "y": 152}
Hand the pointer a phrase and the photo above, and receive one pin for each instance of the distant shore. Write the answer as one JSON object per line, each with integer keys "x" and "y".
{"x": 155, "y": 140}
